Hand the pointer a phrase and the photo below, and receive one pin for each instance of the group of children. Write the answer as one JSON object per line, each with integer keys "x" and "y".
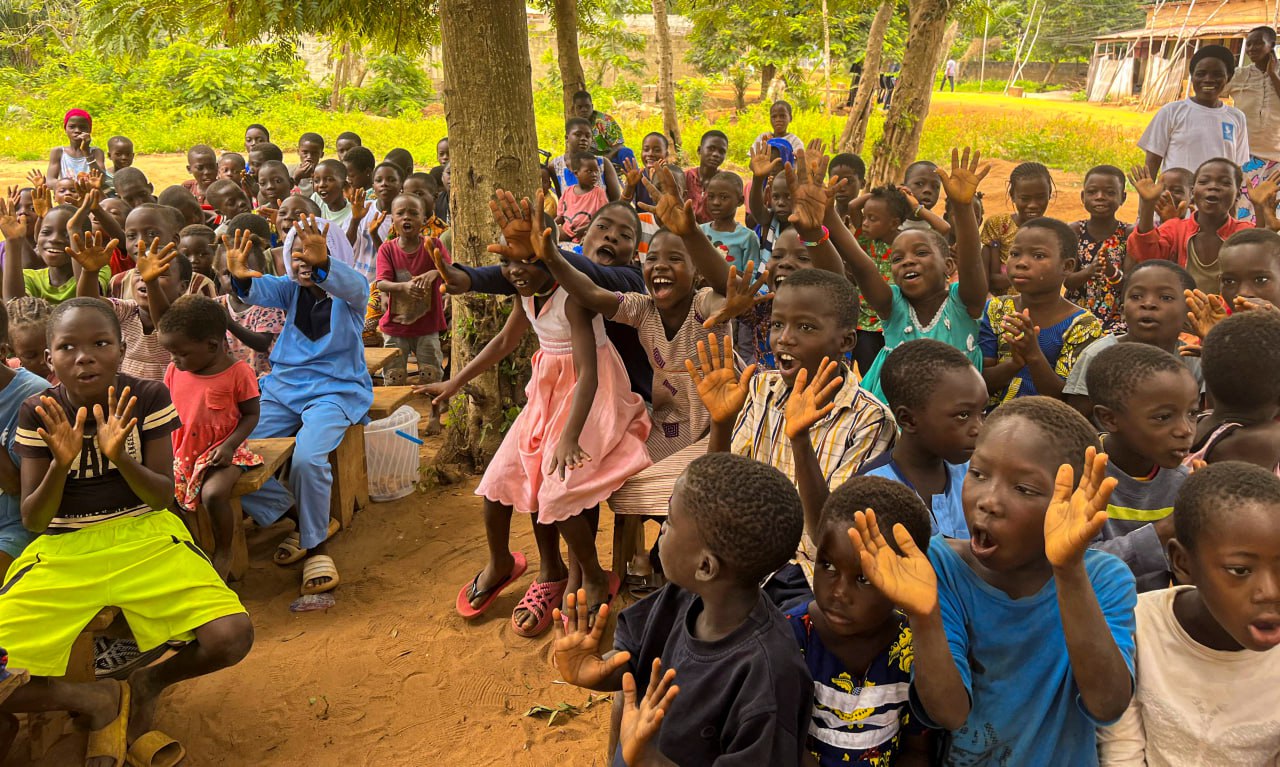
{"x": 934, "y": 487}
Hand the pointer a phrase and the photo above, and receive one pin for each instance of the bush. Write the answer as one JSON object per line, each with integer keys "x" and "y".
{"x": 398, "y": 87}
{"x": 691, "y": 96}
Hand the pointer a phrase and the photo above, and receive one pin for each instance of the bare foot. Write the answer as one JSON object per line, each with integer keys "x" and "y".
{"x": 142, "y": 705}
{"x": 597, "y": 589}
{"x": 489, "y": 578}
{"x": 102, "y": 704}
{"x": 222, "y": 565}
{"x": 434, "y": 427}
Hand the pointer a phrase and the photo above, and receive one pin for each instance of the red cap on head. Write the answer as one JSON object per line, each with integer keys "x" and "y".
{"x": 76, "y": 113}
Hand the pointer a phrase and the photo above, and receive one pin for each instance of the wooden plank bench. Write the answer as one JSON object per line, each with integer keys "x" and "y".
{"x": 388, "y": 399}
{"x": 377, "y": 357}
{"x": 47, "y": 728}
{"x": 350, "y": 469}
{"x": 275, "y": 453}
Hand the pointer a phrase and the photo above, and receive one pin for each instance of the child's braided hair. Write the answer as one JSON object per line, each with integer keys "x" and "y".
{"x": 1029, "y": 170}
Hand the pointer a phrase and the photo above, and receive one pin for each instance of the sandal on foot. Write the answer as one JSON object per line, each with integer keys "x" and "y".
{"x": 155, "y": 749}
{"x": 615, "y": 585}
{"x": 541, "y": 598}
{"x": 111, "y": 741}
{"x": 290, "y": 549}
{"x": 472, "y": 590}
{"x": 319, "y": 566}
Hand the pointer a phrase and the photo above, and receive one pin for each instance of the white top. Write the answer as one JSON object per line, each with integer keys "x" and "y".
{"x": 552, "y": 325}
{"x": 1187, "y": 134}
{"x": 1194, "y": 707}
{"x": 1253, "y": 93}
{"x": 792, "y": 139}
{"x": 951, "y": 68}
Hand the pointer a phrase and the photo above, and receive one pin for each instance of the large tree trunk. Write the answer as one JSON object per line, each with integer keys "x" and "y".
{"x": 767, "y": 73}
{"x": 902, "y": 128}
{"x": 488, "y": 108}
{"x": 855, "y": 128}
{"x": 572, "y": 78}
{"x": 666, "y": 82}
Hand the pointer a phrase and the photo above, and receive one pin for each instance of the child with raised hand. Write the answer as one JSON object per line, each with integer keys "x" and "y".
{"x": 1152, "y": 315}
{"x": 922, "y": 302}
{"x": 732, "y": 522}
{"x": 97, "y": 478}
{"x": 1022, "y": 635}
{"x": 1103, "y": 248}
{"x": 330, "y": 182}
{"x": 937, "y": 398}
{"x": 769, "y": 198}
{"x": 878, "y": 216}
{"x": 202, "y": 164}
{"x": 582, "y": 200}
{"x": 841, "y": 429}
{"x": 581, "y": 435}
{"x": 22, "y": 206}
{"x": 856, "y": 644}
{"x": 318, "y": 387}
{"x": 359, "y": 163}
{"x": 56, "y": 282}
{"x": 415, "y": 309}
{"x": 1146, "y": 402}
{"x": 1031, "y": 340}
{"x": 16, "y": 385}
{"x": 251, "y": 330}
{"x": 216, "y": 397}
{"x": 923, "y": 188}
{"x": 1241, "y": 363}
{"x": 712, "y": 149}
{"x": 1031, "y": 188}
{"x": 653, "y": 152}
{"x": 28, "y": 337}
{"x": 1194, "y": 243}
{"x": 1215, "y": 634}
{"x": 79, "y": 155}
{"x": 159, "y": 279}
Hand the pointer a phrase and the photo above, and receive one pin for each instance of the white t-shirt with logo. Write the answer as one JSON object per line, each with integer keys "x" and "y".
{"x": 1187, "y": 134}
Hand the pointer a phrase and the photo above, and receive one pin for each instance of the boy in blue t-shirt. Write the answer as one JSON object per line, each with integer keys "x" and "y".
{"x": 937, "y": 397}
{"x": 1022, "y": 636}
{"x": 856, "y": 645}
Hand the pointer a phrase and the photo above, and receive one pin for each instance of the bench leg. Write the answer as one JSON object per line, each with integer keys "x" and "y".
{"x": 239, "y": 546}
{"x": 626, "y": 529}
{"x": 350, "y": 477}
{"x": 48, "y": 728}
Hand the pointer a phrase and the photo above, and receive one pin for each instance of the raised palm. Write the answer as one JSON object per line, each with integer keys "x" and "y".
{"x": 155, "y": 260}
{"x": 11, "y": 226}
{"x": 1077, "y": 512}
{"x": 761, "y": 163}
{"x": 1149, "y": 189}
{"x": 315, "y": 245}
{"x": 1167, "y": 209}
{"x": 116, "y": 424}
{"x": 1264, "y": 194}
{"x": 642, "y": 720}
{"x": 631, "y": 173}
{"x": 675, "y": 214}
{"x": 961, "y": 184}
{"x": 516, "y": 222}
{"x": 41, "y": 200}
{"x": 576, "y": 649}
{"x": 810, "y": 199}
{"x": 359, "y": 204}
{"x": 907, "y": 579}
{"x": 722, "y": 390}
{"x": 1205, "y": 310}
{"x": 740, "y": 295}
{"x": 64, "y": 439}
{"x": 808, "y": 402}
{"x": 92, "y": 253}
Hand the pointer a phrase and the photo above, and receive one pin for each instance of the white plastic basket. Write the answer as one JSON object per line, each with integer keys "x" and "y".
{"x": 391, "y": 454}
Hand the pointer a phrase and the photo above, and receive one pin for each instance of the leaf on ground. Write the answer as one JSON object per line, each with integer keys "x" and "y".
{"x": 562, "y": 710}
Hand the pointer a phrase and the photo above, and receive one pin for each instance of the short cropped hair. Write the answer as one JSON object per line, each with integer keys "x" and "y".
{"x": 582, "y": 95}
{"x": 713, "y": 133}
{"x": 841, "y": 294}
{"x": 198, "y": 230}
{"x": 926, "y": 164}
{"x": 1255, "y": 236}
{"x": 1123, "y": 370}
{"x": 350, "y": 136}
{"x": 276, "y": 164}
{"x": 1236, "y": 172}
{"x": 311, "y": 138}
{"x": 1219, "y": 52}
{"x": 1241, "y": 360}
{"x": 1108, "y": 170}
{"x": 268, "y": 151}
{"x": 748, "y": 513}
{"x": 131, "y": 173}
{"x": 385, "y": 164}
{"x": 197, "y": 317}
{"x": 70, "y": 211}
{"x": 893, "y": 502}
{"x": 728, "y": 177}
{"x": 260, "y": 127}
{"x": 1216, "y": 490}
{"x": 104, "y": 310}
{"x": 849, "y": 160}
{"x": 256, "y": 225}
{"x": 665, "y": 143}
{"x": 574, "y": 122}
{"x": 1068, "y": 243}
{"x": 1067, "y": 433}
{"x": 893, "y": 197}
{"x": 913, "y": 371}
{"x": 172, "y": 215}
{"x": 223, "y": 186}
{"x": 401, "y": 158}
{"x": 1184, "y": 277}
{"x": 335, "y": 166}
{"x": 361, "y": 158}
{"x": 201, "y": 149}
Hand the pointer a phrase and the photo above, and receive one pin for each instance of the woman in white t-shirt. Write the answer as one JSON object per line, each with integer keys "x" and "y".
{"x": 1186, "y": 133}
{"x": 1255, "y": 90}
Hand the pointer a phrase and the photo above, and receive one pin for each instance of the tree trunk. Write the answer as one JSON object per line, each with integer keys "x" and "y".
{"x": 488, "y": 109}
{"x": 855, "y": 128}
{"x": 826, "y": 60}
{"x": 572, "y": 78}
{"x": 948, "y": 40}
{"x": 666, "y": 82}
{"x": 767, "y": 73}
{"x": 910, "y": 106}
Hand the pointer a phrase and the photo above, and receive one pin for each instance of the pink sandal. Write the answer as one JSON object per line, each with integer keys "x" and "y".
{"x": 541, "y": 598}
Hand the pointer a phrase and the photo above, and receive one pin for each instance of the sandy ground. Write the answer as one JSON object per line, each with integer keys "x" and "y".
{"x": 391, "y": 676}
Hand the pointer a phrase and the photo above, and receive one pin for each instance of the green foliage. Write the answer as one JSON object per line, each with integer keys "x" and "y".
{"x": 691, "y": 96}
{"x": 399, "y": 86}
{"x": 997, "y": 86}
{"x": 609, "y": 47}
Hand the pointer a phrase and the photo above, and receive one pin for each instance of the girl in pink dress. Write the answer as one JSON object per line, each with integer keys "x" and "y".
{"x": 579, "y": 437}
{"x": 216, "y": 397}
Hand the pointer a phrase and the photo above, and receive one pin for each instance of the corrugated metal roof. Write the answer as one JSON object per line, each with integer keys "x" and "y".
{"x": 1172, "y": 33}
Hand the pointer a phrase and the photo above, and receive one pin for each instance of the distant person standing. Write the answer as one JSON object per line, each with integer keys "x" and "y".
{"x": 1255, "y": 90}
{"x": 949, "y": 75}
{"x": 606, "y": 134}
{"x": 888, "y": 81}
{"x": 855, "y": 75}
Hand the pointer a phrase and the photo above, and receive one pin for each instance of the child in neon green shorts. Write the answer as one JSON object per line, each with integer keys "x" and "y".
{"x": 97, "y": 478}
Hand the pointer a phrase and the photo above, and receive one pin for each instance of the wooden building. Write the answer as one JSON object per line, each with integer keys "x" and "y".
{"x": 1151, "y": 62}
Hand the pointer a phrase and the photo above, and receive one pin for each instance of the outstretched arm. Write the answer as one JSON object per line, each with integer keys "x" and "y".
{"x": 865, "y": 272}
{"x": 14, "y": 229}
{"x": 807, "y": 405}
{"x": 677, "y": 216}
{"x": 962, "y": 186}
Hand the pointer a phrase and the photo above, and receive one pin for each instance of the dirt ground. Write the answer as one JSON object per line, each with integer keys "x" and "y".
{"x": 391, "y": 676}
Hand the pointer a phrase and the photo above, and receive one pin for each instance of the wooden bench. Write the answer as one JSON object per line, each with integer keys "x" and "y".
{"x": 275, "y": 453}
{"x": 350, "y": 491}
{"x": 377, "y": 357}
{"x": 388, "y": 399}
{"x": 47, "y": 728}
